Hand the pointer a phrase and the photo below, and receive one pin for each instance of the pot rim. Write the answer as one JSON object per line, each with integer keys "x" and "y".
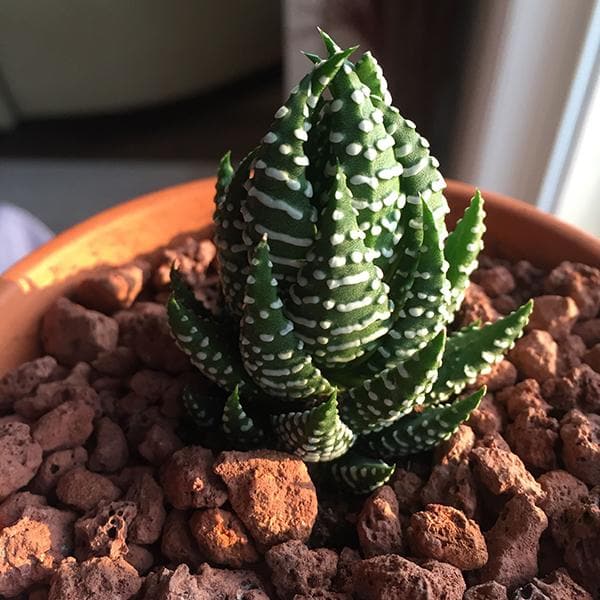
{"x": 144, "y": 225}
{"x": 511, "y": 205}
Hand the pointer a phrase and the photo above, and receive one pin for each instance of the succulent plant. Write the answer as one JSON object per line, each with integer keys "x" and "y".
{"x": 340, "y": 283}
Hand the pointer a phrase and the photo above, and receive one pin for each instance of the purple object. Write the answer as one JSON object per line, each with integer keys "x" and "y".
{"x": 20, "y": 233}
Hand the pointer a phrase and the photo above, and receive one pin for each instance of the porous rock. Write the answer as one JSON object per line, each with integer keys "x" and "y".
{"x": 99, "y": 578}
{"x": 189, "y": 482}
{"x": 533, "y": 436}
{"x": 536, "y": 355}
{"x": 20, "y": 457}
{"x": 571, "y": 352}
{"x": 296, "y": 570}
{"x": 476, "y": 306}
{"x": 83, "y": 489}
{"x": 503, "y": 472}
{"x": 554, "y": 314}
{"x": 67, "y": 426}
{"x": 446, "y": 534}
{"x": 391, "y": 577}
{"x": 495, "y": 281}
{"x": 271, "y": 492}
{"x": 177, "y": 542}
{"x": 487, "y": 591}
{"x": 222, "y": 537}
{"x": 50, "y": 395}
{"x": 103, "y": 531}
{"x": 576, "y": 531}
{"x": 111, "y": 452}
{"x": 244, "y": 585}
{"x": 13, "y": 507}
{"x": 561, "y": 491}
{"x": 148, "y": 497}
{"x": 520, "y": 397}
{"x": 513, "y": 543}
{"x": 72, "y": 333}
{"x": 144, "y": 328}
{"x": 32, "y": 547}
{"x": 502, "y": 374}
{"x": 457, "y": 448}
{"x": 342, "y": 581}
{"x": 111, "y": 290}
{"x": 578, "y": 388}
{"x": 407, "y": 486}
{"x": 139, "y": 557}
{"x": 588, "y": 331}
{"x": 159, "y": 444}
{"x": 580, "y": 282}
{"x": 488, "y": 417}
{"x": 580, "y": 434}
{"x": 24, "y": 379}
{"x": 379, "y": 526}
{"x": 555, "y": 586}
{"x": 452, "y": 484}
{"x": 119, "y": 362}
{"x": 55, "y": 465}
{"x": 592, "y": 358}
{"x": 320, "y": 594}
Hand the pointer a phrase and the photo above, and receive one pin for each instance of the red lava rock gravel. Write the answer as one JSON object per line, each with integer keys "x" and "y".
{"x": 296, "y": 570}
{"x": 513, "y": 543}
{"x": 83, "y": 490}
{"x": 272, "y": 494}
{"x": 104, "y": 530}
{"x": 71, "y": 333}
{"x": 222, "y": 538}
{"x": 189, "y": 482}
{"x": 445, "y": 534}
{"x": 379, "y": 527}
{"x": 392, "y": 577}
{"x": 101, "y": 497}
{"x": 112, "y": 290}
{"x": 20, "y": 455}
{"x": 99, "y": 578}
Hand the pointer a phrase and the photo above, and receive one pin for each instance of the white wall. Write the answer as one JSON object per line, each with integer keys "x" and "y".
{"x": 521, "y": 68}
{"x": 579, "y": 199}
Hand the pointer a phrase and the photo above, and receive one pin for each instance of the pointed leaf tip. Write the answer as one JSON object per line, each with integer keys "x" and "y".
{"x": 420, "y": 431}
{"x": 316, "y": 434}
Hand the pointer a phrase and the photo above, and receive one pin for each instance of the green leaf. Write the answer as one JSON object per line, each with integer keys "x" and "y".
{"x": 208, "y": 344}
{"x": 280, "y": 195}
{"x": 186, "y": 295}
{"x": 421, "y": 431}
{"x": 355, "y": 473}
{"x": 363, "y": 148}
{"x": 316, "y": 434}
{"x": 394, "y": 393}
{"x": 203, "y": 408}
{"x": 462, "y": 248}
{"x": 339, "y": 304}
{"x": 420, "y": 176}
{"x": 317, "y": 148}
{"x": 371, "y": 74}
{"x": 409, "y": 247}
{"x": 238, "y": 426}
{"x": 224, "y": 176}
{"x": 272, "y": 353}
{"x": 232, "y": 251}
{"x": 424, "y": 313}
{"x": 472, "y": 351}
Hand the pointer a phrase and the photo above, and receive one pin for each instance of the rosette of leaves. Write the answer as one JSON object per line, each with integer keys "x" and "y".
{"x": 340, "y": 283}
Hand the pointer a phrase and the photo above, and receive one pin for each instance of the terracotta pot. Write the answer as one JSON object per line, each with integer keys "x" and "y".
{"x": 515, "y": 230}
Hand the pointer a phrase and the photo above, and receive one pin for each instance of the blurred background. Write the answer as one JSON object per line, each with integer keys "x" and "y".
{"x": 102, "y": 101}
